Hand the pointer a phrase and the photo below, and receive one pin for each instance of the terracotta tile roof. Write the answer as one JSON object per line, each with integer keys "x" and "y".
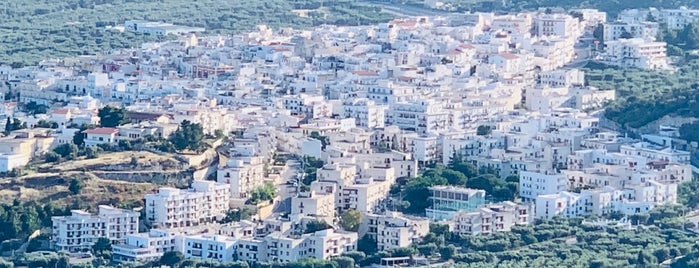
{"x": 509, "y": 56}
{"x": 365, "y": 73}
{"x": 102, "y": 131}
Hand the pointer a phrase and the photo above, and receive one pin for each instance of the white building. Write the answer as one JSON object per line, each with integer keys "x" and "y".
{"x": 366, "y": 112}
{"x": 100, "y": 135}
{"x": 677, "y": 19}
{"x": 209, "y": 247}
{"x": 79, "y": 231}
{"x": 145, "y": 247}
{"x": 422, "y": 116}
{"x": 647, "y": 31}
{"x": 393, "y": 229}
{"x": 204, "y": 202}
{"x": 492, "y": 218}
{"x": 562, "y": 25}
{"x": 533, "y": 184}
{"x": 243, "y": 174}
{"x": 636, "y": 53}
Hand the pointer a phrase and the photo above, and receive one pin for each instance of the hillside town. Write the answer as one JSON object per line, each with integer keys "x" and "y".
{"x": 305, "y": 142}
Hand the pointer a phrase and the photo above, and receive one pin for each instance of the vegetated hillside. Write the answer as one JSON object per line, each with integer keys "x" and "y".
{"x": 33, "y": 30}
{"x": 646, "y": 96}
{"x": 612, "y": 8}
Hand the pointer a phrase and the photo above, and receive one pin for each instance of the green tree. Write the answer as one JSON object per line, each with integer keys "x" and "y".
{"x": 75, "y": 186}
{"x": 46, "y": 124}
{"x": 324, "y": 141}
{"x": 171, "y": 258}
{"x": 14, "y": 124}
{"x": 237, "y": 214}
{"x": 67, "y": 150}
{"x": 357, "y": 256}
{"x": 483, "y": 130}
{"x": 454, "y": 177}
{"x": 427, "y": 249}
{"x": 102, "y": 246}
{"x": 344, "y": 262}
{"x": 351, "y": 219}
{"x": 52, "y": 157}
{"x": 92, "y": 152}
{"x": 188, "y": 136}
{"x": 112, "y": 116}
{"x": 417, "y": 192}
{"x": 689, "y": 36}
{"x": 265, "y": 192}
{"x": 33, "y": 108}
{"x": 367, "y": 245}
{"x": 447, "y": 252}
{"x": 316, "y": 225}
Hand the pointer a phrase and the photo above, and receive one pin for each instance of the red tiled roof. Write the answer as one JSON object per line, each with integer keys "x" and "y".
{"x": 509, "y": 56}
{"x": 102, "y": 131}
{"x": 365, "y": 73}
{"x": 61, "y": 111}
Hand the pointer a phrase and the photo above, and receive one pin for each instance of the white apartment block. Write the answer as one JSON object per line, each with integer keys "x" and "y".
{"x": 308, "y": 105}
{"x": 562, "y": 78}
{"x": 393, "y": 229}
{"x": 562, "y": 25}
{"x": 423, "y": 116}
{"x": 276, "y": 246}
{"x": 329, "y": 243}
{"x": 364, "y": 195}
{"x": 653, "y": 152}
{"x": 79, "y": 231}
{"x": 677, "y": 19}
{"x": 634, "y": 199}
{"x": 366, "y": 113}
{"x": 564, "y": 204}
{"x": 145, "y": 247}
{"x": 204, "y": 202}
{"x": 492, "y": 218}
{"x": 591, "y": 19}
{"x": 647, "y": 31}
{"x": 315, "y": 204}
{"x": 209, "y": 247}
{"x": 636, "y": 53}
{"x": 243, "y": 174}
{"x": 533, "y": 184}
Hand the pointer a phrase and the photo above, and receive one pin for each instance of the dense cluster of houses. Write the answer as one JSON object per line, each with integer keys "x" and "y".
{"x": 387, "y": 99}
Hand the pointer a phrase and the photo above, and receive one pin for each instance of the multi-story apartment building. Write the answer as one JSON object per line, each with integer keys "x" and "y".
{"x": 533, "y": 184}
{"x": 366, "y": 112}
{"x": 319, "y": 204}
{"x": 79, "y": 231}
{"x": 274, "y": 247}
{"x": 637, "y": 53}
{"x": 393, "y": 229}
{"x": 145, "y": 247}
{"x": 562, "y": 25}
{"x": 422, "y": 116}
{"x": 209, "y": 247}
{"x": 677, "y": 19}
{"x": 204, "y": 202}
{"x": 243, "y": 174}
{"x": 492, "y": 218}
{"x": 447, "y": 200}
{"x": 647, "y": 31}
{"x": 653, "y": 152}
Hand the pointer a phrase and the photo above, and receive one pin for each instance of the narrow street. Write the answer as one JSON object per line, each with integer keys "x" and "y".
{"x": 285, "y": 190}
